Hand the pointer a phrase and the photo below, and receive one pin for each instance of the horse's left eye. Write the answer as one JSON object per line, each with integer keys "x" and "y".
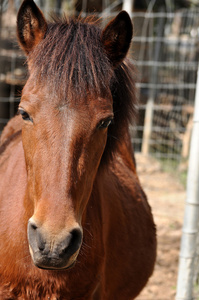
{"x": 24, "y": 114}
{"x": 105, "y": 123}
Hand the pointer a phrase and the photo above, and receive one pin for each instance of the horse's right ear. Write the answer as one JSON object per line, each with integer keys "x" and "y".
{"x": 31, "y": 25}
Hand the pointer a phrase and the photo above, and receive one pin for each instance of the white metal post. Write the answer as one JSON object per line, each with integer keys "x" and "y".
{"x": 191, "y": 218}
{"x": 128, "y": 6}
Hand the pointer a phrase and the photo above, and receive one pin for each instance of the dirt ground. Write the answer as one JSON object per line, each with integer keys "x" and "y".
{"x": 166, "y": 196}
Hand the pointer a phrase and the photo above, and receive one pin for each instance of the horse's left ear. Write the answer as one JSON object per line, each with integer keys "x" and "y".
{"x": 116, "y": 38}
{"x": 31, "y": 25}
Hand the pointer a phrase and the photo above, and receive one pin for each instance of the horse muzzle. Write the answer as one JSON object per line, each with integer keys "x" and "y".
{"x": 55, "y": 253}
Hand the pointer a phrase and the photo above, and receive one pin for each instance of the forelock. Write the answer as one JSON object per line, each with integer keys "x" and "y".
{"x": 71, "y": 60}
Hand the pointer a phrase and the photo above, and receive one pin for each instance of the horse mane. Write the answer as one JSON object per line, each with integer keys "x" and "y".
{"x": 72, "y": 59}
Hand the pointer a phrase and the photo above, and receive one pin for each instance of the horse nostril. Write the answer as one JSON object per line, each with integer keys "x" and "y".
{"x": 32, "y": 225}
{"x": 76, "y": 237}
{"x": 76, "y": 240}
{"x": 72, "y": 243}
{"x": 35, "y": 237}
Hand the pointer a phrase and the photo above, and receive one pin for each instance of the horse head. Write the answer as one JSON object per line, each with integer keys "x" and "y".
{"x": 67, "y": 110}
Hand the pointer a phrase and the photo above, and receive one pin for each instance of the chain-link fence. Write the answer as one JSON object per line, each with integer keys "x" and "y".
{"x": 167, "y": 60}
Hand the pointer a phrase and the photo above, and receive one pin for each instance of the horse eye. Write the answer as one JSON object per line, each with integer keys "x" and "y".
{"x": 105, "y": 123}
{"x": 24, "y": 114}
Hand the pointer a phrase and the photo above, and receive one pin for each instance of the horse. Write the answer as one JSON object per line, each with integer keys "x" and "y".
{"x": 75, "y": 223}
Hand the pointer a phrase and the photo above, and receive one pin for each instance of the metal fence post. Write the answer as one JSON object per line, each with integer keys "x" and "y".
{"x": 148, "y": 121}
{"x": 191, "y": 218}
{"x": 128, "y": 6}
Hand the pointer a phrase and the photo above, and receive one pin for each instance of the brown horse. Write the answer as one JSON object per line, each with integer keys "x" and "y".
{"x": 74, "y": 220}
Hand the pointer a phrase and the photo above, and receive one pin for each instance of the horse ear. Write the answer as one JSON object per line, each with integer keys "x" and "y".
{"x": 31, "y": 25}
{"x": 116, "y": 38}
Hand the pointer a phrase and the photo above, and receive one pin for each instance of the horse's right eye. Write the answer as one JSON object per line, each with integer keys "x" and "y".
{"x": 24, "y": 114}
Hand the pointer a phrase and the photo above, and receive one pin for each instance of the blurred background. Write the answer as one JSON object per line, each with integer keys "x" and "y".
{"x": 165, "y": 50}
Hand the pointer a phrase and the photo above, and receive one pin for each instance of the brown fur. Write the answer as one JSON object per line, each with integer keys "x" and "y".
{"x": 65, "y": 172}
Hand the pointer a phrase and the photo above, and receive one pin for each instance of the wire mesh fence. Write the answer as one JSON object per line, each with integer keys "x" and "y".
{"x": 167, "y": 61}
{"x": 165, "y": 51}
